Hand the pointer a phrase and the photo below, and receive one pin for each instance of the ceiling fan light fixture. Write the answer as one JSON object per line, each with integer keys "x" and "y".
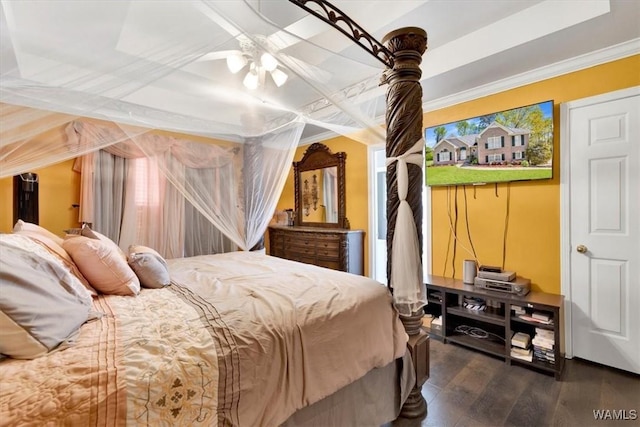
{"x": 279, "y": 77}
{"x": 236, "y": 62}
{"x": 268, "y": 62}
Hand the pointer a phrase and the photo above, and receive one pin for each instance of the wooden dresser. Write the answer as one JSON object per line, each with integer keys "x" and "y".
{"x": 335, "y": 248}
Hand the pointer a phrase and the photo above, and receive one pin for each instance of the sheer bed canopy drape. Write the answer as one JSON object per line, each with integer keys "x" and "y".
{"x": 145, "y": 90}
{"x": 151, "y": 81}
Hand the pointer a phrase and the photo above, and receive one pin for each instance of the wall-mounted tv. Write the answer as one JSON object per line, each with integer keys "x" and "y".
{"x": 510, "y": 145}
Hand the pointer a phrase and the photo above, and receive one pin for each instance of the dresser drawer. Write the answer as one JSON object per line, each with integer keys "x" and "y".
{"x": 328, "y": 243}
{"x": 306, "y": 250}
{"x": 328, "y": 253}
{"x": 336, "y": 249}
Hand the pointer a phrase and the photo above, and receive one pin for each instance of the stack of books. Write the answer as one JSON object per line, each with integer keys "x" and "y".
{"x": 520, "y": 346}
{"x": 543, "y": 346}
{"x": 517, "y": 310}
{"x": 537, "y": 317}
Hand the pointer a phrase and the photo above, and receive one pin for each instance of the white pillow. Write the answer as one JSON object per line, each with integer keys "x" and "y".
{"x": 68, "y": 278}
{"x": 53, "y": 244}
{"x": 38, "y": 312}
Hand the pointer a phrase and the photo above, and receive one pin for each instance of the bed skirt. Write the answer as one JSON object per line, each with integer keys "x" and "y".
{"x": 373, "y": 400}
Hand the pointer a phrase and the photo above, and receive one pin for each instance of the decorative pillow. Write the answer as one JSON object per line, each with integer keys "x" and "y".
{"x": 92, "y": 234}
{"x": 53, "y": 244}
{"x": 102, "y": 266}
{"x": 68, "y": 279}
{"x": 145, "y": 249}
{"x": 35, "y": 229}
{"x": 150, "y": 269}
{"x": 37, "y": 314}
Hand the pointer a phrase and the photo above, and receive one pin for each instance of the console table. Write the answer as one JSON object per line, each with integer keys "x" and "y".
{"x": 499, "y": 320}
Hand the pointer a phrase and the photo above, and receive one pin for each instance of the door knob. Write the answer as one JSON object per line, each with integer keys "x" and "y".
{"x": 581, "y": 248}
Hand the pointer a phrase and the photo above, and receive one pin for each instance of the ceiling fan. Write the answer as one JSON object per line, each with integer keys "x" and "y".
{"x": 258, "y": 52}
{"x": 258, "y": 60}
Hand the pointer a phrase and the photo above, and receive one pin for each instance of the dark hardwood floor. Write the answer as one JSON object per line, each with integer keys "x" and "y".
{"x": 469, "y": 388}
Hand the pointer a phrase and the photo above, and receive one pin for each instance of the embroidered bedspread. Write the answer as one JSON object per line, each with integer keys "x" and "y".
{"x": 238, "y": 339}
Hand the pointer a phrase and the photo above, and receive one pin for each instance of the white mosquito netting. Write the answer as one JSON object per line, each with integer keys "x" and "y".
{"x": 142, "y": 95}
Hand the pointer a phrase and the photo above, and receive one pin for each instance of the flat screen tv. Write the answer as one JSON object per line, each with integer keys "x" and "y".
{"x": 510, "y": 145}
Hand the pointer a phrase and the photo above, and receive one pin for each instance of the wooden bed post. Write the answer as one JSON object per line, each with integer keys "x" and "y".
{"x": 404, "y": 131}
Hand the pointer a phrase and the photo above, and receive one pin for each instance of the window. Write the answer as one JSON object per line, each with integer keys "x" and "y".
{"x": 517, "y": 140}
{"x": 494, "y": 158}
{"x": 147, "y": 184}
{"x": 518, "y": 155}
{"x": 444, "y": 156}
{"x": 494, "y": 142}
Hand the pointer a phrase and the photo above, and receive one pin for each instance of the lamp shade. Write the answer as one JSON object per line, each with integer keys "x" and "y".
{"x": 279, "y": 77}
{"x": 236, "y": 62}
{"x": 251, "y": 80}
{"x": 268, "y": 62}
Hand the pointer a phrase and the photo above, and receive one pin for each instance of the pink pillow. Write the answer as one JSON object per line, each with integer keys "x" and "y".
{"x": 92, "y": 234}
{"x": 105, "y": 268}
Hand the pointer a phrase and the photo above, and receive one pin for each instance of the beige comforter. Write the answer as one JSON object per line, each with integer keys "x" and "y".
{"x": 240, "y": 339}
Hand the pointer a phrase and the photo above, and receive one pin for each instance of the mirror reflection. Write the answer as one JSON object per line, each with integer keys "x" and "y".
{"x": 319, "y": 196}
{"x": 319, "y": 185}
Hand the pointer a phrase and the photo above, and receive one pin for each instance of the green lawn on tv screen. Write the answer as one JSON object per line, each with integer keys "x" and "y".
{"x": 453, "y": 175}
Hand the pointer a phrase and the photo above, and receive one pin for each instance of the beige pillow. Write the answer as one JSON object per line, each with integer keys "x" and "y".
{"x": 53, "y": 244}
{"x": 35, "y": 229}
{"x": 104, "y": 267}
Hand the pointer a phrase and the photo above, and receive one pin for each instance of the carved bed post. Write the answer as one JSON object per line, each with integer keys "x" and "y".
{"x": 404, "y": 152}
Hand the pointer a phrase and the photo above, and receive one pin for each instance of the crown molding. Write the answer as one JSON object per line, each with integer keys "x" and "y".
{"x": 591, "y": 59}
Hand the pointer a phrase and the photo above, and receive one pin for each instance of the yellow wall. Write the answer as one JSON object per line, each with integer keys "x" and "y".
{"x": 356, "y": 185}
{"x": 533, "y": 238}
{"x": 58, "y": 187}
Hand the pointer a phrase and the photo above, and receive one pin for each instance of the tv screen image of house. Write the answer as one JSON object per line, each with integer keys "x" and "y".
{"x": 510, "y": 145}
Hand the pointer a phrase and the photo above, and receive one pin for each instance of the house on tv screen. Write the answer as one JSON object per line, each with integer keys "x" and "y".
{"x": 496, "y": 144}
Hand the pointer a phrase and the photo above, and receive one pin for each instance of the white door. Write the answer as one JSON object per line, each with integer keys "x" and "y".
{"x": 604, "y": 161}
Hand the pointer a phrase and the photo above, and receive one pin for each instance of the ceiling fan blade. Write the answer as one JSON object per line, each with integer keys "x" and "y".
{"x": 212, "y": 56}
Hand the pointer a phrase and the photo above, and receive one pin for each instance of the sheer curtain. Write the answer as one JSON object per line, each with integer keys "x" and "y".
{"x": 177, "y": 196}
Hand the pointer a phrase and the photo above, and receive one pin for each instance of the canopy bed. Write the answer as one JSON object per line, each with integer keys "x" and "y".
{"x": 235, "y": 338}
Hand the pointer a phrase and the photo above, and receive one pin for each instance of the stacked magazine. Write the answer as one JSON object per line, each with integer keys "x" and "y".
{"x": 543, "y": 343}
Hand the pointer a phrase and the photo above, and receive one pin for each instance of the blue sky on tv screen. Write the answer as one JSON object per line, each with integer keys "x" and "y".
{"x": 430, "y": 137}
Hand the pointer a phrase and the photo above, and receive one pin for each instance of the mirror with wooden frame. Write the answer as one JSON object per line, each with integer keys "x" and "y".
{"x": 319, "y": 183}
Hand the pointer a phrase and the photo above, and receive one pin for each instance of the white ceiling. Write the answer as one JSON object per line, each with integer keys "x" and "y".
{"x": 473, "y": 45}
